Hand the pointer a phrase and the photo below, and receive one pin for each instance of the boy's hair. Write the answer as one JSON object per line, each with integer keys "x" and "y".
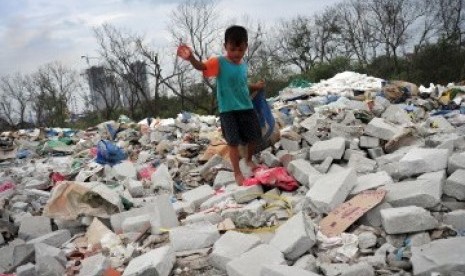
{"x": 236, "y": 35}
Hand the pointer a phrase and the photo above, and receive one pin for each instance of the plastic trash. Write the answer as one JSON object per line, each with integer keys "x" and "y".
{"x": 264, "y": 114}
{"x": 7, "y": 185}
{"x": 272, "y": 177}
{"x": 146, "y": 172}
{"x": 108, "y": 153}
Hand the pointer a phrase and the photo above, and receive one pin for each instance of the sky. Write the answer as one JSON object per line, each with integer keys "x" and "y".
{"x": 36, "y": 32}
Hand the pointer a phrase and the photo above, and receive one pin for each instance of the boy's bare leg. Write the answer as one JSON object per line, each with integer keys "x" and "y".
{"x": 250, "y": 151}
{"x": 234, "y": 156}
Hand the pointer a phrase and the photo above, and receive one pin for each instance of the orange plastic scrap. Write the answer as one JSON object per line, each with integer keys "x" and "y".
{"x": 111, "y": 272}
{"x": 343, "y": 216}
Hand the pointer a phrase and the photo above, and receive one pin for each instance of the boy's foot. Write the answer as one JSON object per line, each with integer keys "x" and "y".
{"x": 239, "y": 178}
{"x": 252, "y": 165}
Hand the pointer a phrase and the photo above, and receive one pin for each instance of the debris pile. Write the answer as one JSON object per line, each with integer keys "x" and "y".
{"x": 362, "y": 177}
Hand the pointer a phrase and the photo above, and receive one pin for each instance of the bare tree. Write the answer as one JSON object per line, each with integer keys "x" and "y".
{"x": 326, "y": 35}
{"x": 195, "y": 22}
{"x": 55, "y": 84}
{"x": 16, "y": 92}
{"x": 392, "y": 21}
{"x": 450, "y": 17}
{"x": 295, "y": 43}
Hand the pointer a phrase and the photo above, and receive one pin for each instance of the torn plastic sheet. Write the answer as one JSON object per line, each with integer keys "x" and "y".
{"x": 341, "y": 248}
{"x": 273, "y": 177}
{"x": 71, "y": 199}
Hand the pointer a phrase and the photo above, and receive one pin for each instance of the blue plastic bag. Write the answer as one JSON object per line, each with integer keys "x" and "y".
{"x": 108, "y": 153}
{"x": 264, "y": 114}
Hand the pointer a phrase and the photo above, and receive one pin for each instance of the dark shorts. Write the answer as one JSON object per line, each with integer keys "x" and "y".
{"x": 240, "y": 127}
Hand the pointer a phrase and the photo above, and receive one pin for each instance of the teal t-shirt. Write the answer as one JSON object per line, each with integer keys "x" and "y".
{"x": 232, "y": 89}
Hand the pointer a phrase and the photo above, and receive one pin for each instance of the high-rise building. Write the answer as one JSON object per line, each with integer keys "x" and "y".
{"x": 103, "y": 88}
{"x": 136, "y": 83}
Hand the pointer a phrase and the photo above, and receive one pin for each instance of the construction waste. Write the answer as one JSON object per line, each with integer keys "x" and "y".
{"x": 361, "y": 176}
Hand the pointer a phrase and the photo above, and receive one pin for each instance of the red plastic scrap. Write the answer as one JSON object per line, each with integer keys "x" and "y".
{"x": 146, "y": 172}
{"x": 57, "y": 177}
{"x": 273, "y": 177}
{"x": 7, "y": 185}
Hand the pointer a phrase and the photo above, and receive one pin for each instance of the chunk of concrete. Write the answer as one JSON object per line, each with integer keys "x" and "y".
{"x": 396, "y": 115}
{"x": 349, "y": 152}
{"x": 444, "y": 256}
{"x": 14, "y": 255}
{"x": 230, "y": 246}
{"x": 250, "y": 263}
{"x": 303, "y": 172}
{"x": 34, "y": 227}
{"x": 284, "y": 270}
{"x": 290, "y": 145}
{"x": 270, "y": 159}
{"x": 382, "y": 129}
{"x": 334, "y": 148}
{"x": 456, "y": 161}
{"x": 162, "y": 180}
{"x": 359, "y": 269}
{"x": 136, "y": 224}
{"x": 211, "y": 217}
{"x": 223, "y": 178}
{"x": 125, "y": 169}
{"x": 158, "y": 262}
{"x": 325, "y": 165}
{"x": 160, "y": 211}
{"x": 307, "y": 262}
{"x": 366, "y": 240}
{"x": 375, "y": 152}
{"x": 361, "y": 164}
{"x": 198, "y": 195}
{"x": 368, "y": 142}
{"x": 407, "y": 219}
{"x": 331, "y": 190}
{"x": 49, "y": 260}
{"x": 246, "y": 194}
{"x": 55, "y": 238}
{"x": 456, "y": 219}
{"x": 373, "y": 217}
{"x": 135, "y": 188}
{"x": 455, "y": 185}
{"x": 214, "y": 200}
{"x": 251, "y": 215}
{"x": 419, "y": 160}
{"x": 193, "y": 236}
{"x": 295, "y": 237}
{"x": 94, "y": 265}
{"x": 371, "y": 181}
{"x": 421, "y": 193}
{"x": 28, "y": 269}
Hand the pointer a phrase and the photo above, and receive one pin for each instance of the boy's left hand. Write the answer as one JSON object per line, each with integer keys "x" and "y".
{"x": 259, "y": 85}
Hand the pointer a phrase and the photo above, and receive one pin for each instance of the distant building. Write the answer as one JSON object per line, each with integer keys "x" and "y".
{"x": 103, "y": 88}
{"x": 136, "y": 80}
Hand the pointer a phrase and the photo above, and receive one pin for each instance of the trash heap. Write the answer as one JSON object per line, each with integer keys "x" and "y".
{"x": 363, "y": 177}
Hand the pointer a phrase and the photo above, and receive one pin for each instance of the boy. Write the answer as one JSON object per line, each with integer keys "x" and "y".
{"x": 239, "y": 122}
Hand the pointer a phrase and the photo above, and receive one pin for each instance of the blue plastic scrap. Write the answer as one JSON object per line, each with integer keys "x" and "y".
{"x": 264, "y": 114}
{"x": 108, "y": 153}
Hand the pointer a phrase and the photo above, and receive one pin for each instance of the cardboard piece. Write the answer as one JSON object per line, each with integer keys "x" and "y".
{"x": 343, "y": 216}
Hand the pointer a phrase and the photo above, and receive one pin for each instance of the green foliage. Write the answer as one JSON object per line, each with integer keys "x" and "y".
{"x": 326, "y": 70}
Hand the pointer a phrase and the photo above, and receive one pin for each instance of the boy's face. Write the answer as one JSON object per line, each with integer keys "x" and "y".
{"x": 235, "y": 52}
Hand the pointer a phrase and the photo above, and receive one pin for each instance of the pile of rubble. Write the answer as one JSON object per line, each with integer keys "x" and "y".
{"x": 381, "y": 191}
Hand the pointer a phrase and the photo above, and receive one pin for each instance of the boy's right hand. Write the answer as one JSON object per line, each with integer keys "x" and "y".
{"x": 184, "y": 51}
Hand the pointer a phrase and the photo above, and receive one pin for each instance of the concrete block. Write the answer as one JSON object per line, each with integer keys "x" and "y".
{"x": 49, "y": 260}
{"x": 284, "y": 270}
{"x": 136, "y": 224}
{"x": 371, "y": 181}
{"x": 246, "y": 194}
{"x": 55, "y": 238}
{"x": 231, "y": 246}
{"x": 251, "y": 215}
{"x": 303, "y": 172}
{"x": 382, "y": 129}
{"x": 160, "y": 211}
{"x": 455, "y": 185}
{"x": 331, "y": 190}
{"x": 366, "y": 240}
{"x": 135, "y": 188}
{"x": 443, "y": 256}
{"x": 456, "y": 219}
{"x": 212, "y": 162}
{"x": 14, "y": 255}
{"x": 396, "y": 115}
{"x": 270, "y": 159}
{"x": 28, "y": 269}
{"x": 94, "y": 265}
{"x": 250, "y": 263}
{"x": 349, "y": 152}
{"x": 158, "y": 262}
{"x": 290, "y": 145}
{"x": 375, "y": 152}
{"x": 223, "y": 178}
{"x": 214, "y": 200}
{"x": 125, "y": 169}
{"x": 193, "y": 236}
{"x": 211, "y": 217}
{"x": 456, "y": 161}
{"x": 419, "y": 160}
{"x": 369, "y": 142}
{"x": 421, "y": 193}
{"x": 34, "y": 227}
{"x": 334, "y": 148}
{"x": 310, "y": 137}
{"x": 162, "y": 180}
{"x": 198, "y": 195}
{"x": 419, "y": 239}
{"x": 407, "y": 219}
{"x": 307, "y": 262}
{"x": 325, "y": 165}
{"x": 361, "y": 164}
{"x": 295, "y": 237}
{"x": 359, "y": 269}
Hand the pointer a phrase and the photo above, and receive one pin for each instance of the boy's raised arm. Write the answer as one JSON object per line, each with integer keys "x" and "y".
{"x": 185, "y": 53}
